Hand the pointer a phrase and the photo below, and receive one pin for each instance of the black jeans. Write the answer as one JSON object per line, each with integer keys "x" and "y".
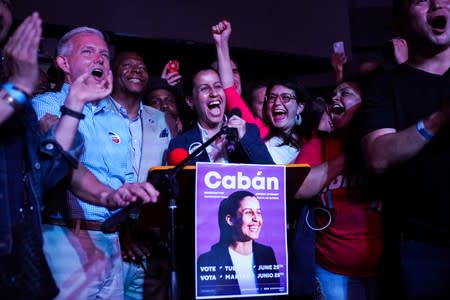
{"x": 24, "y": 273}
{"x": 425, "y": 270}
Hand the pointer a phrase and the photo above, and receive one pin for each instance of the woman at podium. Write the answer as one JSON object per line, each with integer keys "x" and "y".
{"x": 242, "y": 143}
{"x": 237, "y": 264}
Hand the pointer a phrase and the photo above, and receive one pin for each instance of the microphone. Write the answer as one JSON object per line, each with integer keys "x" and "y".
{"x": 232, "y": 134}
{"x": 163, "y": 181}
{"x": 176, "y": 156}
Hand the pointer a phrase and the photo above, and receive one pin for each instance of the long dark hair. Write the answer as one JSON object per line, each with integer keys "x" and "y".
{"x": 299, "y": 134}
{"x": 355, "y": 162}
{"x": 229, "y": 206}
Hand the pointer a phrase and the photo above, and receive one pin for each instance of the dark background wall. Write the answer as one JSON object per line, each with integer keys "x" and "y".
{"x": 288, "y": 26}
{"x": 270, "y": 37}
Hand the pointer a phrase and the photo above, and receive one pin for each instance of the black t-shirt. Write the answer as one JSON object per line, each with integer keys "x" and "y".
{"x": 417, "y": 192}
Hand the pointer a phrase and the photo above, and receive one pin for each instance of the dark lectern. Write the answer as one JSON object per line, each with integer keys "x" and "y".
{"x": 181, "y": 229}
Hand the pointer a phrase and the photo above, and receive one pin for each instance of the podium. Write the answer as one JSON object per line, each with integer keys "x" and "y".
{"x": 159, "y": 216}
{"x": 156, "y": 214}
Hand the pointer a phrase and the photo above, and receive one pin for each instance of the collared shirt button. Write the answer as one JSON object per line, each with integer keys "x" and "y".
{"x": 37, "y": 165}
{"x": 21, "y": 209}
{"x": 49, "y": 146}
{"x": 31, "y": 207}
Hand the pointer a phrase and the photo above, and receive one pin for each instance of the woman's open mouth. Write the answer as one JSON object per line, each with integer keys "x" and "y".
{"x": 214, "y": 107}
{"x": 337, "y": 109}
{"x": 278, "y": 115}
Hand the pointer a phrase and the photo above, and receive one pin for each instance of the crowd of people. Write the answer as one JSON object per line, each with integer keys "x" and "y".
{"x": 371, "y": 217}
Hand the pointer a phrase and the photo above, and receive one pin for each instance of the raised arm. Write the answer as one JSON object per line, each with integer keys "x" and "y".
{"x": 173, "y": 77}
{"x": 338, "y": 60}
{"x": 221, "y": 34}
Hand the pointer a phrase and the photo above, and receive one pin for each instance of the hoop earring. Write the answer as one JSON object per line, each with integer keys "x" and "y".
{"x": 298, "y": 119}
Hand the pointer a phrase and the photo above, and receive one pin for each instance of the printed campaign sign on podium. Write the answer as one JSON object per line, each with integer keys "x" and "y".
{"x": 240, "y": 230}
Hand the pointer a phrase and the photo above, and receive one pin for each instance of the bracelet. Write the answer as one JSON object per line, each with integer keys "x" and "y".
{"x": 67, "y": 111}
{"x": 17, "y": 98}
{"x": 420, "y": 127}
{"x": 8, "y": 99}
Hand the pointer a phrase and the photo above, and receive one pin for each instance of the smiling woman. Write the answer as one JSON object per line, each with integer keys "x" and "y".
{"x": 208, "y": 100}
{"x": 206, "y": 97}
{"x": 283, "y": 105}
{"x": 237, "y": 261}
{"x": 345, "y": 103}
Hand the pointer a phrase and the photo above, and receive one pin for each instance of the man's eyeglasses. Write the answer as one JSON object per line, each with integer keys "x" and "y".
{"x": 285, "y": 98}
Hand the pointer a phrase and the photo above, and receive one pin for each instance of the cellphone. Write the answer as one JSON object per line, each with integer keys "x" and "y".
{"x": 173, "y": 66}
{"x": 338, "y": 47}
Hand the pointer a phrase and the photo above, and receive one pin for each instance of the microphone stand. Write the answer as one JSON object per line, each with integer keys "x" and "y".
{"x": 173, "y": 190}
{"x": 164, "y": 181}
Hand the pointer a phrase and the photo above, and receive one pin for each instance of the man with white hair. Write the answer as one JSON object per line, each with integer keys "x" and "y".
{"x": 86, "y": 262}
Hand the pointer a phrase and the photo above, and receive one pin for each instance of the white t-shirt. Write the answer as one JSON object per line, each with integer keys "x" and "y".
{"x": 285, "y": 154}
{"x": 245, "y": 274}
{"x": 216, "y": 150}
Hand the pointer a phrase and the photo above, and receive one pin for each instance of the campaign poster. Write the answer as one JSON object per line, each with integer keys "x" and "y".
{"x": 240, "y": 231}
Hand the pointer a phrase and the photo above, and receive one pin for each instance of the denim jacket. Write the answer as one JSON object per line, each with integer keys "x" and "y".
{"x": 47, "y": 164}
